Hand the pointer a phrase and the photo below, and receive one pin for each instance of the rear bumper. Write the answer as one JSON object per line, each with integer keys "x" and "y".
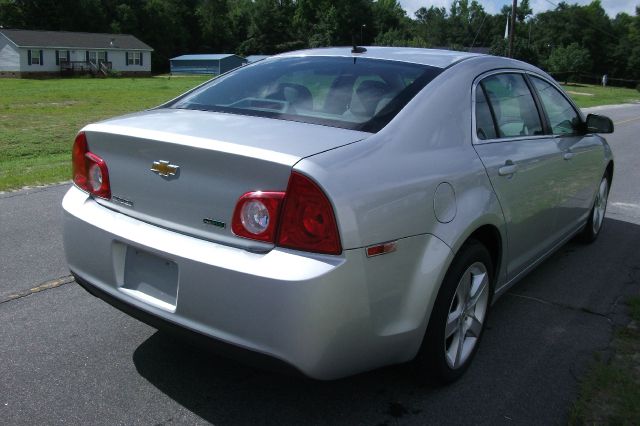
{"x": 326, "y": 316}
{"x": 219, "y": 347}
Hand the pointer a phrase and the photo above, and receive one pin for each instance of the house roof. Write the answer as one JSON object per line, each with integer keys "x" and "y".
{"x": 203, "y": 57}
{"x": 67, "y": 39}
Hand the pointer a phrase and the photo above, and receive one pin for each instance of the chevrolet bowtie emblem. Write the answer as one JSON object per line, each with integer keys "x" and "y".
{"x": 163, "y": 168}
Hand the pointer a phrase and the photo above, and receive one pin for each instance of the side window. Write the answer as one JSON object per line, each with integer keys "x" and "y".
{"x": 513, "y": 106}
{"x": 485, "y": 129}
{"x": 563, "y": 119}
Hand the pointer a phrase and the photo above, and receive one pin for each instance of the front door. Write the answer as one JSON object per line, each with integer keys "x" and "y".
{"x": 581, "y": 154}
{"x": 524, "y": 165}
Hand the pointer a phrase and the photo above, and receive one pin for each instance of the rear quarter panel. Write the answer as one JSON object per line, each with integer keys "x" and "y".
{"x": 383, "y": 187}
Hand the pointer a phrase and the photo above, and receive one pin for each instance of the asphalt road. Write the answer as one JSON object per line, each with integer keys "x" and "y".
{"x": 66, "y": 357}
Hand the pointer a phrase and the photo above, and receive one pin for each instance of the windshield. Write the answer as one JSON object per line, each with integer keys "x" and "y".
{"x": 352, "y": 93}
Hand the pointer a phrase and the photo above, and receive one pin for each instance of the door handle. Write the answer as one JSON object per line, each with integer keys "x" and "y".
{"x": 568, "y": 155}
{"x": 508, "y": 169}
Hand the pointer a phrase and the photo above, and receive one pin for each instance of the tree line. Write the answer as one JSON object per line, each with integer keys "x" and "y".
{"x": 567, "y": 39}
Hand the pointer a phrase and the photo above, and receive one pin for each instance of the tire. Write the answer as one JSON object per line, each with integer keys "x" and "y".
{"x": 459, "y": 315}
{"x": 596, "y": 217}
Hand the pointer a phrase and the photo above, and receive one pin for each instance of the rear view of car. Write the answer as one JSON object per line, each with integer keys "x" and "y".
{"x": 332, "y": 210}
{"x": 195, "y": 212}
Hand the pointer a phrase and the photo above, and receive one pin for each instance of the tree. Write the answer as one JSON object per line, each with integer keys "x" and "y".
{"x": 589, "y": 26}
{"x": 569, "y": 60}
{"x": 245, "y": 27}
{"x": 521, "y": 49}
{"x": 270, "y": 30}
{"x": 325, "y": 32}
{"x": 214, "y": 25}
{"x": 433, "y": 25}
{"x": 633, "y": 60}
{"x": 125, "y": 19}
{"x": 11, "y": 16}
{"x": 388, "y": 15}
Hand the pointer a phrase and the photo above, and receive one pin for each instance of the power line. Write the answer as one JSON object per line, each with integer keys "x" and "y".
{"x": 587, "y": 22}
{"x": 478, "y": 32}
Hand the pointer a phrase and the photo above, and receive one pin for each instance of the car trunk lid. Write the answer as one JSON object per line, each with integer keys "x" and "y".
{"x": 204, "y": 162}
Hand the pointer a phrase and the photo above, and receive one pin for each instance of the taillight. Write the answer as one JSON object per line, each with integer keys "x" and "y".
{"x": 307, "y": 221}
{"x": 256, "y": 215}
{"x": 301, "y": 219}
{"x": 89, "y": 171}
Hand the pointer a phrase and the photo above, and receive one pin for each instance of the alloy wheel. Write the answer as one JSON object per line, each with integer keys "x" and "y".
{"x": 600, "y": 205}
{"x": 467, "y": 313}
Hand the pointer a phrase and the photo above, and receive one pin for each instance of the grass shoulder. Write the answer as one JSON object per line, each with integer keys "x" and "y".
{"x": 610, "y": 392}
{"x": 586, "y": 95}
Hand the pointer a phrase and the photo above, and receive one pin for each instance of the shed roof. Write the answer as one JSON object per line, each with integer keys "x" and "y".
{"x": 203, "y": 57}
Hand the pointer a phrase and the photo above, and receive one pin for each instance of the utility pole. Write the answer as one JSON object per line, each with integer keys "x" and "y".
{"x": 512, "y": 27}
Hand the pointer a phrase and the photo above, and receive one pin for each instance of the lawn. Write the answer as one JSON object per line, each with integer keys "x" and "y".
{"x": 589, "y": 95}
{"x": 39, "y": 119}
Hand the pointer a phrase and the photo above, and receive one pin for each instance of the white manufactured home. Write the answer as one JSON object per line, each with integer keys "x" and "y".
{"x": 26, "y": 53}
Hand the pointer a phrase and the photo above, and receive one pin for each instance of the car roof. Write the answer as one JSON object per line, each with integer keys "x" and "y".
{"x": 432, "y": 57}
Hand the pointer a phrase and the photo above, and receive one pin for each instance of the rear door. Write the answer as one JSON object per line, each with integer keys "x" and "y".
{"x": 524, "y": 165}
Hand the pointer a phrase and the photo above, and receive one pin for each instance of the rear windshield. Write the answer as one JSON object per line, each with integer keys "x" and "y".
{"x": 352, "y": 93}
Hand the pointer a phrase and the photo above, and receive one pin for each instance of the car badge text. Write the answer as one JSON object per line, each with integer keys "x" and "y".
{"x": 163, "y": 168}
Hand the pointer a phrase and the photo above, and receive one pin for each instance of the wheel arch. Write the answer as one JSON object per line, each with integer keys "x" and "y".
{"x": 491, "y": 233}
{"x": 490, "y": 237}
{"x": 487, "y": 235}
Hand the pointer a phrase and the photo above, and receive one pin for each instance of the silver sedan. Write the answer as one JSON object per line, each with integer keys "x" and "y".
{"x": 336, "y": 210}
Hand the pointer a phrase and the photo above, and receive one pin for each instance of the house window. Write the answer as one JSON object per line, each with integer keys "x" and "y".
{"x": 134, "y": 58}
{"x": 63, "y": 55}
{"x": 35, "y": 57}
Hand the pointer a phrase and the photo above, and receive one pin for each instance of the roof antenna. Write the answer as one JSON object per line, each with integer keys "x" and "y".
{"x": 356, "y": 49}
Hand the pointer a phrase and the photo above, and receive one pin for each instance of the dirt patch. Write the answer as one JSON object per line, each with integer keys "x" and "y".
{"x": 579, "y": 93}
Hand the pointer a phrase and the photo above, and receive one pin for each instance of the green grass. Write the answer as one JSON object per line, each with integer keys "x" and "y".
{"x": 589, "y": 95}
{"x": 40, "y": 118}
{"x": 610, "y": 392}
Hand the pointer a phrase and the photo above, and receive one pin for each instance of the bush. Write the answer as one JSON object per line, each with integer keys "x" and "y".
{"x": 638, "y": 87}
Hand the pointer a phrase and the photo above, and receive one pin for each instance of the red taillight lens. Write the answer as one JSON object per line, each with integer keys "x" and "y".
{"x": 256, "y": 215}
{"x": 90, "y": 172}
{"x": 307, "y": 221}
{"x": 302, "y": 218}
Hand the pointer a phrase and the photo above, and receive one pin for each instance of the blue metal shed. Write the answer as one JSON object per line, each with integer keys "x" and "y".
{"x": 214, "y": 64}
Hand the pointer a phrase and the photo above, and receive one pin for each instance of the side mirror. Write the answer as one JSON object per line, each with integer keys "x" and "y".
{"x": 599, "y": 124}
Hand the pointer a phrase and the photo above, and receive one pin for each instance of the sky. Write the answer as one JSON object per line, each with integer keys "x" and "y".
{"x": 612, "y": 7}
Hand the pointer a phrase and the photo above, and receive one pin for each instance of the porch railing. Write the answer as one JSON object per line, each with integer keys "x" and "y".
{"x": 85, "y": 67}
